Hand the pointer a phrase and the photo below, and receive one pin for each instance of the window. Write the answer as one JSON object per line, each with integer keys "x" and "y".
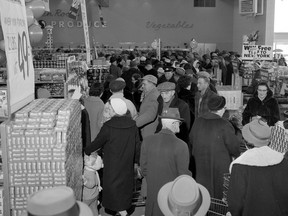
{"x": 204, "y": 3}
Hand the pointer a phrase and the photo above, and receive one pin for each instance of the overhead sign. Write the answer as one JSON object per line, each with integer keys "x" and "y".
{"x": 20, "y": 71}
{"x": 261, "y": 52}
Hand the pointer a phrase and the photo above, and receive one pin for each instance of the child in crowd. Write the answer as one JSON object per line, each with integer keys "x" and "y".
{"x": 91, "y": 181}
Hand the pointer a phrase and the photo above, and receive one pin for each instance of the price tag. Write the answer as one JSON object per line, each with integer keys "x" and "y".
{"x": 23, "y": 54}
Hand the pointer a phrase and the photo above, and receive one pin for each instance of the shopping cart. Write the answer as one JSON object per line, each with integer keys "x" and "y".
{"x": 217, "y": 207}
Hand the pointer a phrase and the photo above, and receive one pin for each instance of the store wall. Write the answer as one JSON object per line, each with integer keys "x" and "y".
{"x": 139, "y": 22}
{"x": 246, "y": 24}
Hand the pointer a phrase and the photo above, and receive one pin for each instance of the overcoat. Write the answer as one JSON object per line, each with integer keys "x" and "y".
{"x": 147, "y": 116}
{"x": 203, "y": 107}
{"x": 258, "y": 184}
{"x": 184, "y": 112}
{"x": 163, "y": 158}
{"x": 121, "y": 146}
{"x": 214, "y": 143}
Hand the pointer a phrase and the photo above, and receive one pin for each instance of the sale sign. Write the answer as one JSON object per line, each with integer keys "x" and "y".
{"x": 257, "y": 52}
{"x": 20, "y": 82}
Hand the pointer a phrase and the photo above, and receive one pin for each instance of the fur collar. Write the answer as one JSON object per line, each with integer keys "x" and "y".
{"x": 263, "y": 156}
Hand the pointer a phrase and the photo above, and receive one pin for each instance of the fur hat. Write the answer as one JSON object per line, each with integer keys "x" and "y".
{"x": 117, "y": 85}
{"x": 216, "y": 103}
{"x": 257, "y": 132}
{"x": 185, "y": 196}
{"x": 56, "y": 201}
{"x": 119, "y": 106}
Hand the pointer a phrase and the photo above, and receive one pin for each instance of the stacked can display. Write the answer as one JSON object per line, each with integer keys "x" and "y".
{"x": 44, "y": 149}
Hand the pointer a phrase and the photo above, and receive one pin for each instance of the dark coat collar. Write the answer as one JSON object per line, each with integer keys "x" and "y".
{"x": 121, "y": 122}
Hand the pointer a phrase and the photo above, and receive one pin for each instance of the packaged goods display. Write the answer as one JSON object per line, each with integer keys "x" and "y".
{"x": 44, "y": 149}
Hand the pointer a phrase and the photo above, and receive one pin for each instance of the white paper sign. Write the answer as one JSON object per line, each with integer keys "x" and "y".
{"x": 20, "y": 71}
{"x": 261, "y": 52}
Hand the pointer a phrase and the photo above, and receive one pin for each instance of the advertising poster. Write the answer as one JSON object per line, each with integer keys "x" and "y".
{"x": 261, "y": 52}
{"x": 20, "y": 71}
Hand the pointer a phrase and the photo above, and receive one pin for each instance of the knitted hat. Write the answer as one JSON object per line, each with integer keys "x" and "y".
{"x": 257, "y": 132}
{"x": 216, "y": 103}
{"x": 119, "y": 106}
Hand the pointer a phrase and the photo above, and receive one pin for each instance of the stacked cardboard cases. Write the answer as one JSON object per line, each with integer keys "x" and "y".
{"x": 44, "y": 149}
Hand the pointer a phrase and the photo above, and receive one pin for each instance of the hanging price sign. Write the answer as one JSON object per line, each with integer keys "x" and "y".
{"x": 20, "y": 83}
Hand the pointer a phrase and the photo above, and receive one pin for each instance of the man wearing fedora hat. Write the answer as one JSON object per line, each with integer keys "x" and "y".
{"x": 163, "y": 158}
{"x": 55, "y": 201}
{"x": 214, "y": 143}
{"x": 258, "y": 182}
{"x": 183, "y": 196}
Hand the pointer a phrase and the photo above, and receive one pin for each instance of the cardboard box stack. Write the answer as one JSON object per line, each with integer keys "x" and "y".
{"x": 44, "y": 149}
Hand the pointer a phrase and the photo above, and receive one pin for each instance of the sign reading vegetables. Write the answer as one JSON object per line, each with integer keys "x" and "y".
{"x": 263, "y": 52}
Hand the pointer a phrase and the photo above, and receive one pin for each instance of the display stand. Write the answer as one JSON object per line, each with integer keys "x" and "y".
{"x": 42, "y": 148}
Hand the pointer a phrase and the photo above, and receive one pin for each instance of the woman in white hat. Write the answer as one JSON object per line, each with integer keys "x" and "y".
{"x": 120, "y": 142}
{"x": 258, "y": 183}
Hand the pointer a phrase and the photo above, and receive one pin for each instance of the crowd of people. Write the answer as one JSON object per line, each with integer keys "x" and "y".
{"x": 164, "y": 120}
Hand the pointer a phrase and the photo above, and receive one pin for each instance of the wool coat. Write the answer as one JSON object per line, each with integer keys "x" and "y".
{"x": 203, "y": 107}
{"x": 94, "y": 106}
{"x": 147, "y": 116}
{"x": 189, "y": 97}
{"x": 184, "y": 112}
{"x": 214, "y": 143}
{"x": 268, "y": 109}
{"x": 258, "y": 184}
{"x": 121, "y": 146}
{"x": 163, "y": 158}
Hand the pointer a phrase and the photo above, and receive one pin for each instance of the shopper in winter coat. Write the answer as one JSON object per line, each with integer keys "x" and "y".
{"x": 169, "y": 99}
{"x": 258, "y": 182}
{"x": 262, "y": 104}
{"x": 94, "y": 106}
{"x": 186, "y": 94}
{"x": 147, "y": 116}
{"x": 203, "y": 95}
{"x": 163, "y": 158}
{"x": 214, "y": 144}
{"x": 121, "y": 146}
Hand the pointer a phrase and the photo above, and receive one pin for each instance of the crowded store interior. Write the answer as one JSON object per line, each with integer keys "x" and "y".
{"x": 143, "y": 107}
